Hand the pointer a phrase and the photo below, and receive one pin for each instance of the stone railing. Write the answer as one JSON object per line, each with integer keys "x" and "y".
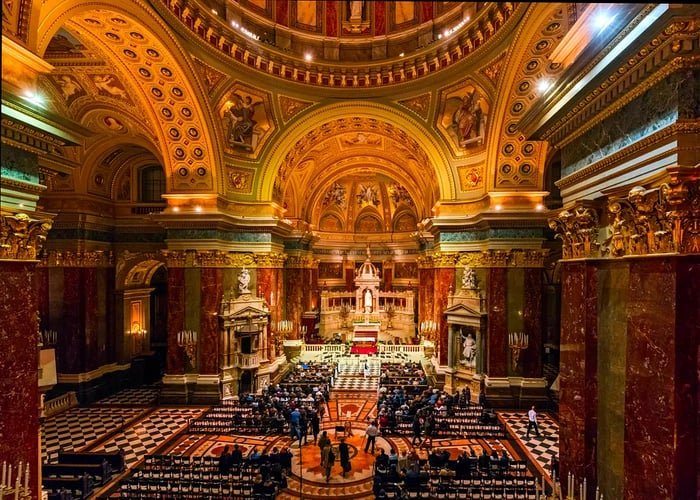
{"x": 59, "y": 404}
{"x": 248, "y": 360}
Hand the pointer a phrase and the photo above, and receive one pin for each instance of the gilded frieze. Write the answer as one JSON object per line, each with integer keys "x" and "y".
{"x": 21, "y": 237}
{"x": 69, "y": 258}
{"x": 209, "y": 75}
{"x": 270, "y": 260}
{"x": 301, "y": 262}
{"x": 495, "y": 258}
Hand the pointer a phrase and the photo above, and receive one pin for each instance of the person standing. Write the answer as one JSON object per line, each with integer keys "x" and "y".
{"x": 327, "y": 459}
{"x": 417, "y": 427}
{"x": 344, "y": 451}
{"x": 315, "y": 425}
{"x": 371, "y": 435}
{"x": 532, "y": 422}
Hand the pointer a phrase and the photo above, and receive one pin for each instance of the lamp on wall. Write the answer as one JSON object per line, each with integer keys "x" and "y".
{"x": 48, "y": 339}
{"x": 187, "y": 339}
{"x": 517, "y": 341}
{"x": 138, "y": 335}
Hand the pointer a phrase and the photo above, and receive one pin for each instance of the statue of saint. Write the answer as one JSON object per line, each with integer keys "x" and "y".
{"x": 244, "y": 281}
{"x": 468, "y": 279}
{"x": 469, "y": 350}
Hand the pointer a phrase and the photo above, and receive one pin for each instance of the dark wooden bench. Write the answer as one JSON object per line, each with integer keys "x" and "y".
{"x": 80, "y": 487}
{"x": 103, "y": 471}
{"x": 116, "y": 460}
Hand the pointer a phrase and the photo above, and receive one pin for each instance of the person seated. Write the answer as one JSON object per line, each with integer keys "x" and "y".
{"x": 225, "y": 461}
{"x": 444, "y": 458}
{"x": 382, "y": 462}
{"x": 484, "y": 462}
{"x": 505, "y": 462}
{"x": 393, "y": 460}
{"x": 435, "y": 459}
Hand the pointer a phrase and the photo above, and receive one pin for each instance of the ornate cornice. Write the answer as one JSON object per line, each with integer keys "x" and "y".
{"x": 94, "y": 258}
{"x": 610, "y": 161}
{"x": 21, "y": 237}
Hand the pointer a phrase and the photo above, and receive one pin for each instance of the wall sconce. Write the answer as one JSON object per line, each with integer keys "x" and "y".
{"x": 517, "y": 341}
{"x": 428, "y": 329}
{"x": 187, "y": 339}
{"x": 138, "y": 335}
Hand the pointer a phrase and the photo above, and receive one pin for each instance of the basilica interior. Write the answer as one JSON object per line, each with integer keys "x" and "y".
{"x": 199, "y": 198}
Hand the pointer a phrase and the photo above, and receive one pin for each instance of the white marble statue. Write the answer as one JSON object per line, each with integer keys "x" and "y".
{"x": 244, "y": 281}
{"x": 469, "y": 350}
{"x": 468, "y": 279}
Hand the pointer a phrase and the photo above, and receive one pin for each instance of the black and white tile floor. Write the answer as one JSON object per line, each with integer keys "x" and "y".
{"x": 541, "y": 449}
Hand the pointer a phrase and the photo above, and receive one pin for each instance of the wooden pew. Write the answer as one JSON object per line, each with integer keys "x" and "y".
{"x": 80, "y": 487}
{"x": 103, "y": 471}
{"x": 116, "y": 460}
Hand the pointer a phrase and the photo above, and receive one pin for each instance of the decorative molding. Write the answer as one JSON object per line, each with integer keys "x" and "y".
{"x": 419, "y": 104}
{"x": 95, "y": 258}
{"x": 301, "y": 262}
{"x": 291, "y": 107}
{"x": 21, "y": 237}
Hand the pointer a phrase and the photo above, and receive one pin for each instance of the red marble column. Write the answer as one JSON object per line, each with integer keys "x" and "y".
{"x": 444, "y": 280}
{"x": 388, "y": 277}
{"x": 661, "y": 404}
{"x": 212, "y": 286}
{"x": 578, "y": 364}
{"x": 176, "y": 320}
{"x": 531, "y": 358}
{"x": 496, "y": 336}
{"x": 71, "y": 332}
{"x": 42, "y": 296}
{"x": 91, "y": 320}
{"x": 295, "y": 297}
{"x": 19, "y": 355}
{"x": 426, "y": 287}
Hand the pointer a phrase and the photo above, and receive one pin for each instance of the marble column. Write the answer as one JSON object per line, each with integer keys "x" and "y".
{"x": 661, "y": 385}
{"x": 212, "y": 286}
{"x": 578, "y": 371}
{"x": 71, "y": 333}
{"x": 531, "y": 358}
{"x": 444, "y": 281}
{"x": 176, "y": 320}
{"x": 19, "y": 355}
{"x": 496, "y": 335}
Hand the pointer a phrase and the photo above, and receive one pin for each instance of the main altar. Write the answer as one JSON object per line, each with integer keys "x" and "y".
{"x": 367, "y": 314}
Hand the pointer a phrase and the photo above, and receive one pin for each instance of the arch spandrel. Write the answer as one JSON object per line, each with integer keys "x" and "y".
{"x": 136, "y": 42}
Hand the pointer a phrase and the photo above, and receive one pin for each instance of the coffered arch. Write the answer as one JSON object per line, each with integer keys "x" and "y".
{"x": 158, "y": 75}
{"x": 357, "y": 135}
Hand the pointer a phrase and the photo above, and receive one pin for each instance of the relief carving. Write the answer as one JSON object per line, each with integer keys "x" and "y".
{"x": 578, "y": 231}
{"x": 21, "y": 237}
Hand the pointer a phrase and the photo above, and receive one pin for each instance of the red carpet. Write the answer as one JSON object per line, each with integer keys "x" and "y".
{"x": 356, "y": 349}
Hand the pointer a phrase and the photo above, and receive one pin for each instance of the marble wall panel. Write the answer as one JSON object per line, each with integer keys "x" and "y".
{"x": 612, "y": 348}
{"x": 19, "y": 354}
{"x": 176, "y": 320}
{"x": 70, "y": 353}
{"x": 295, "y": 297}
{"x": 91, "y": 320}
{"x": 532, "y": 322}
{"x": 42, "y": 297}
{"x": 497, "y": 336}
{"x": 212, "y": 287}
{"x": 331, "y": 8}
{"x": 426, "y": 309}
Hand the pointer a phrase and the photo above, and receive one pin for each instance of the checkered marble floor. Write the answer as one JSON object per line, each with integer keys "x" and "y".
{"x": 541, "y": 449}
{"x": 76, "y": 428}
{"x": 145, "y": 436}
{"x": 351, "y": 376}
{"x": 142, "y": 396}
